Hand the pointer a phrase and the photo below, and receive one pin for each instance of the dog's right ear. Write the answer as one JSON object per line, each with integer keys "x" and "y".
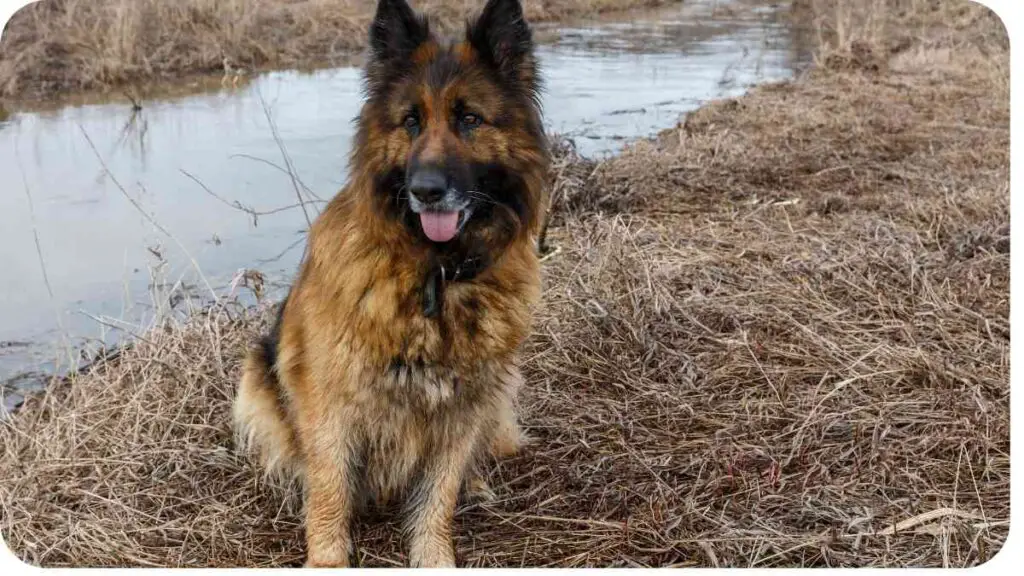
{"x": 396, "y": 31}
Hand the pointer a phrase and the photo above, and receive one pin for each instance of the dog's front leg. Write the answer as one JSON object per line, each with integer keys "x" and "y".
{"x": 327, "y": 446}
{"x": 432, "y": 505}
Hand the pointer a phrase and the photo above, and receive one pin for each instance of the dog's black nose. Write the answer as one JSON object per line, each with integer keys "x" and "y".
{"x": 428, "y": 185}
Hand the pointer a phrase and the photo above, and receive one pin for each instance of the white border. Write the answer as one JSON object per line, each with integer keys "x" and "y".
{"x": 1010, "y": 11}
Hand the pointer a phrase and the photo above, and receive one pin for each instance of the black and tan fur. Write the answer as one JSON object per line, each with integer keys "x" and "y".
{"x": 392, "y": 368}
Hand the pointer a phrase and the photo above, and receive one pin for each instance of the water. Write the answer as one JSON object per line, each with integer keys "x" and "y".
{"x": 110, "y": 250}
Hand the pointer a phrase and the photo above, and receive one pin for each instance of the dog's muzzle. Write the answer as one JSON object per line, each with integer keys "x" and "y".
{"x": 442, "y": 209}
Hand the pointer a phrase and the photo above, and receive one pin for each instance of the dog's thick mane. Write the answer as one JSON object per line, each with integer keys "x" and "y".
{"x": 402, "y": 49}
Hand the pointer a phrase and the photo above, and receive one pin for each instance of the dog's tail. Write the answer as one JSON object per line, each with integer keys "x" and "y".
{"x": 260, "y": 412}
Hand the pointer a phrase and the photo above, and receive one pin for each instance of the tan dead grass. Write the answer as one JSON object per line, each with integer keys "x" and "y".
{"x": 59, "y": 46}
{"x": 776, "y": 335}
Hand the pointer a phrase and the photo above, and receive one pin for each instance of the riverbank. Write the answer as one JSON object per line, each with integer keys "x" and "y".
{"x": 56, "y": 47}
{"x": 774, "y": 335}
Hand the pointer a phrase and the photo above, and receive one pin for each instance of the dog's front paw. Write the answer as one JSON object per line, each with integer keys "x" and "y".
{"x": 335, "y": 557}
{"x": 438, "y": 553}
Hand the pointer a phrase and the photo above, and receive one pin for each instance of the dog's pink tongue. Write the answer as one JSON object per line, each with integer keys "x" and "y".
{"x": 439, "y": 226}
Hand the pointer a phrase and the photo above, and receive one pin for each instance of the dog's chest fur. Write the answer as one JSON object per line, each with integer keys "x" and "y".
{"x": 408, "y": 383}
{"x": 406, "y": 411}
{"x": 385, "y": 325}
{"x": 401, "y": 382}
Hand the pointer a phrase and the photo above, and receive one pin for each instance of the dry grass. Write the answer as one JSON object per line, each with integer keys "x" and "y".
{"x": 776, "y": 335}
{"x": 59, "y": 46}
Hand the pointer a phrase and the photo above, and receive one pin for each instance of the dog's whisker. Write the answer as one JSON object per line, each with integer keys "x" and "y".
{"x": 481, "y": 197}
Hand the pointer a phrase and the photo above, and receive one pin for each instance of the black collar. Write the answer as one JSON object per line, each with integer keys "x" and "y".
{"x": 440, "y": 274}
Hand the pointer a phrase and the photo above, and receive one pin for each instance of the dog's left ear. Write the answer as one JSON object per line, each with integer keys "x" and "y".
{"x": 502, "y": 38}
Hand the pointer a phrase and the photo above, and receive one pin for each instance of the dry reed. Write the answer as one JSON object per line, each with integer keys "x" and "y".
{"x": 59, "y": 46}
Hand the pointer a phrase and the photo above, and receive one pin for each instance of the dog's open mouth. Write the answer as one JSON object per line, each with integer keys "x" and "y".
{"x": 442, "y": 226}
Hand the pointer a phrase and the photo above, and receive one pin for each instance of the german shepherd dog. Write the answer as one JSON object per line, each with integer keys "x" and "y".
{"x": 392, "y": 367}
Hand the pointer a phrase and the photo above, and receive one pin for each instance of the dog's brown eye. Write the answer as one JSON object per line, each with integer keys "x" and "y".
{"x": 471, "y": 120}
{"x": 411, "y": 122}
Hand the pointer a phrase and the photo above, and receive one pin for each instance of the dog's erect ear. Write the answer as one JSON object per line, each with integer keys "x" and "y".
{"x": 502, "y": 37}
{"x": 396, "y": 32}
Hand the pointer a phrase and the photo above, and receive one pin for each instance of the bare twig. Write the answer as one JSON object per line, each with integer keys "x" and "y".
{"x": 238, "y": 205}
{"x": 284, "y": 156}
{"x": 147, "y": 216}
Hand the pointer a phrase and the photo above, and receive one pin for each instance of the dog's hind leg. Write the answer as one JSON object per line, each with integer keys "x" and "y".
{"x": 503, "y": 439}
{"x": 475, "y": 488}
{"x": 505, "y": 436}
{"x": 260, "y": 418}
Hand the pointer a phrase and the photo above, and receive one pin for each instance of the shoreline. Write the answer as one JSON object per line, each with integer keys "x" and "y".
{"x": 316, "y": 34}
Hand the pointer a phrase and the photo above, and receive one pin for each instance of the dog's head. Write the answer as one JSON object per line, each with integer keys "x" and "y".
{"x": 451, "y": 130}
